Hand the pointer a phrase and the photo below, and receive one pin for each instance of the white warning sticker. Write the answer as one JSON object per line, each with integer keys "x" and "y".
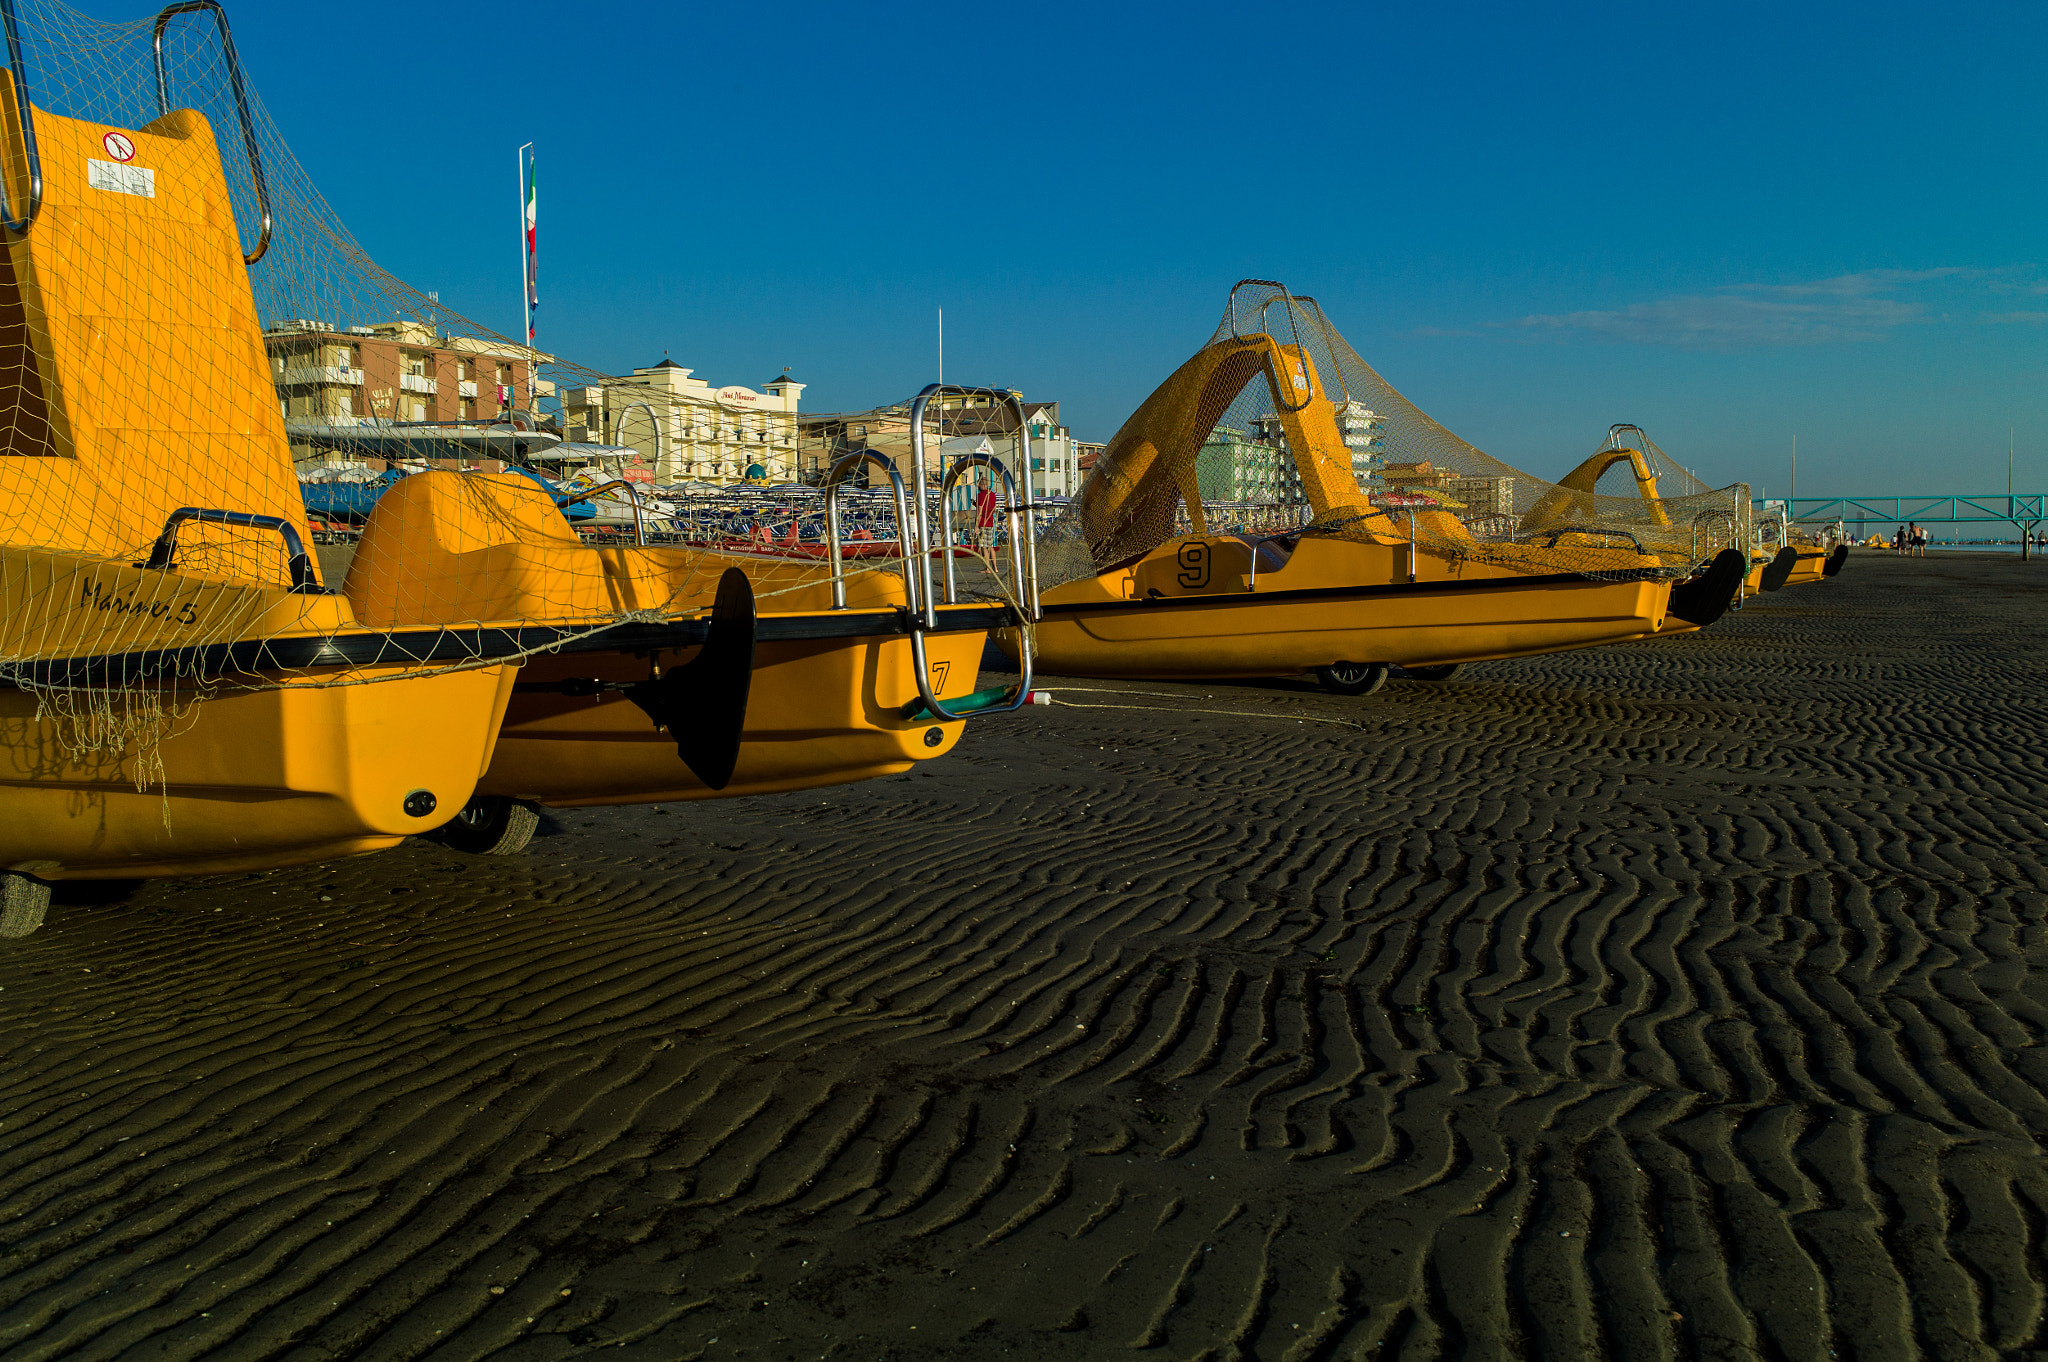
{"x": 119, "y": 179}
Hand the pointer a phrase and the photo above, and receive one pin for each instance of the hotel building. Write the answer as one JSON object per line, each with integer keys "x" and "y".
{"x": 685, "y": 429}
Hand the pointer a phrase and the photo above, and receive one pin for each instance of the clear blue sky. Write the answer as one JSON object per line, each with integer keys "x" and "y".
{"x": 1730, "y": 224}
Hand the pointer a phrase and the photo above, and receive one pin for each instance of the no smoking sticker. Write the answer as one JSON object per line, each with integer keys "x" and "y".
{"x": 119, "y": 147}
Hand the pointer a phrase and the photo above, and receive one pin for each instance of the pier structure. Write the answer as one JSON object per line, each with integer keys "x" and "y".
{"x": 2024, "y": 511}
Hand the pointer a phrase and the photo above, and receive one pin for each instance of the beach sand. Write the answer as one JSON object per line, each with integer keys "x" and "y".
{"x": 1676, "y": 1000}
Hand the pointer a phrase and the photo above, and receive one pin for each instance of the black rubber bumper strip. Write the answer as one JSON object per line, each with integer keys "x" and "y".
{"x": 419, "y": 647}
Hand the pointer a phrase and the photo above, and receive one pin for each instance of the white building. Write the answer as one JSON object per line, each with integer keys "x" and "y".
{"x": 1055, "y": 462}
{"x": 1360, "y": 426}
{"x": 686, "y": 429}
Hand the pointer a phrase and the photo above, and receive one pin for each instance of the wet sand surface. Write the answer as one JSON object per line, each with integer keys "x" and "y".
{"x": 1676, "y": 1000}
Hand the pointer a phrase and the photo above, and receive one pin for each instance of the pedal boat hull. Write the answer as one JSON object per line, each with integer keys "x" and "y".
{"x": 264, "y": 761}
{"x": 1811, "y": 566}
{"x": 1332, "y": 600}
{"x": 829, "y": 691}
{"x": 819, "y": 712}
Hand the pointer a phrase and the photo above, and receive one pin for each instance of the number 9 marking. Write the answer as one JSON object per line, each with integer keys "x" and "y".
{"x": 1194, "y": 565}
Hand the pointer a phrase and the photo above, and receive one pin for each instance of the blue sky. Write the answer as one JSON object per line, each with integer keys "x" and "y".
{"x": 1729, "y": 224}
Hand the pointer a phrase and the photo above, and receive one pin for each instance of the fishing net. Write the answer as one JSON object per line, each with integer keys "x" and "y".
{"x": 1217, "y": 450}
{"x": 186, "y": 323}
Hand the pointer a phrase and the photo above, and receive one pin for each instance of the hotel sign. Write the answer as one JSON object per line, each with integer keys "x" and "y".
{"x": 741, "y": 395}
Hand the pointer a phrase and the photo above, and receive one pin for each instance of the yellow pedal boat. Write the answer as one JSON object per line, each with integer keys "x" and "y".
{"x": 170, "y": 663}
{"x": 732, "y": 674}
{"x": 1700, "y": 529}
{"x": 1361, "y": 587}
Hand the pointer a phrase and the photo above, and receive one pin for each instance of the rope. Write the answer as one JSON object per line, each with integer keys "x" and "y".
{"x": 1184, "y": 709}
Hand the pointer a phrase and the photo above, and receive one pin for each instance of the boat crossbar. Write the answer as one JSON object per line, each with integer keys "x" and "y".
{"x": 632, "y": 495}
{"x": 835, "y": 483}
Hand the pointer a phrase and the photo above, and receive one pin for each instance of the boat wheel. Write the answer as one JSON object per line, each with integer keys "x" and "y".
{"x": 1443, "y": 673}
{"x": 1352, "y": 678}
{"x": 492, "y": 825}
{"x": 23, "y": 901}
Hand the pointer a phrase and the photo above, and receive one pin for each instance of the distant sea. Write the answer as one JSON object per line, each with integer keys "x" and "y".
{"x": 1986, "y": 548}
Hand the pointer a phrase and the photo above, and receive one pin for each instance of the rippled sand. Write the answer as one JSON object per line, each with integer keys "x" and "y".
{"x": 1676, "y": 1000}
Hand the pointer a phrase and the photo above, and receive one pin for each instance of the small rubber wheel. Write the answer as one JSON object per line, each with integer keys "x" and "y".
{"x": 1443, "y": 673}
{"x": 24, "y": 900}
{"x": 1352, "y": 678}
{"x": 492, "y": 825}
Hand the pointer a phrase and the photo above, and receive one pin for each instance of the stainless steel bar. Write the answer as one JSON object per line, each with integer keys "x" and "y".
{"x": 26, "y": 114}
{"x": 832, "y": 544}
{"x": 632, "y": 495}
{"x": 922, "y": 605}
{"x": 163, "y": 101}
{"x": 833, "y": 482}
{"x": 1024, "y": 540}
{"x": 946, "y": 538}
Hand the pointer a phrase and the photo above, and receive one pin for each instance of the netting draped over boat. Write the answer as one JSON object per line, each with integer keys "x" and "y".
{"x": 1214, "y": 449}
{"x": 186, "y": 324}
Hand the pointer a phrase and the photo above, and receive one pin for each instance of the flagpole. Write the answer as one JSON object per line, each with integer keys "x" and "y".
{"x": 525, "y": 283}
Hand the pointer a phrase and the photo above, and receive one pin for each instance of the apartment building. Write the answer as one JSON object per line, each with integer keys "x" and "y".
{"x": 1472, "y": 496}
{"x": 1254, "y": 462}
{"x": 687, "y": 430}
{"x": 331, "y": 379}
{"x": 1250, "y": 466}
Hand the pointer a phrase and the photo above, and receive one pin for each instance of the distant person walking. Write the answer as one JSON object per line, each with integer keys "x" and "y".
{"x": 1918, "y": 537}
{"x": 1899, "y": 539}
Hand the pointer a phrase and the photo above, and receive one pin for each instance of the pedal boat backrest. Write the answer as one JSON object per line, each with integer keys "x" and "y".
{"x": 1572, "y": 499}
{"x": 133, "y": 377}
{"x": 1152, "y": 461}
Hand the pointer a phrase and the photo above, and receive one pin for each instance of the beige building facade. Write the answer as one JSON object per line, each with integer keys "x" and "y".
{"x": 1055, "y": 455}
{"x": 1474, "y": 495}
{"x": 686, "y": 429}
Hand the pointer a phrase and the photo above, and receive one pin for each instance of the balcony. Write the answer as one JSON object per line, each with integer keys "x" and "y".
{"x": 467, "y": 388}
{"x": 304, "y": 377}
{"x": 418, "y": 383}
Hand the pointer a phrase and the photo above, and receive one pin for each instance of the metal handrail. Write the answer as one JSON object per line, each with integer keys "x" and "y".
{"x": 917, "y": 410}
{"x": 1564, "y": 530}
{"x": 1023, "y": 530}
{"x": 26, "y": 113}
{"x": 163, "y": 554}
{"x": 163, "y": 101}
{"x": 639, "y": 530}
{"x": 1698, "y": 521}
{"x": 1293, "y": 327}
{"x": 1023, "y": 533}
{"x": 836, "y": 480}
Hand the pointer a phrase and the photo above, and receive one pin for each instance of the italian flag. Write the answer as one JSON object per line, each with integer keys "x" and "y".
{"x": 532, "y": 256}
